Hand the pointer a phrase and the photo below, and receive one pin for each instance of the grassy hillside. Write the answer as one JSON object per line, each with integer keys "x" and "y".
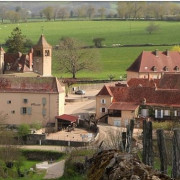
{"x": 123, "y": 32}
{"x": 113, "y": 60}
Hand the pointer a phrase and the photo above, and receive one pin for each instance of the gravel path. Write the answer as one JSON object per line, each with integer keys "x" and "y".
{"x": 55, "y": 171}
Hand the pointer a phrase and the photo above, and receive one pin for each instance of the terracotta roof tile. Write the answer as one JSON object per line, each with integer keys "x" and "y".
{"x": 67, "y": 117}
{"x": 147, "y": 60}
{"x": 123, "y": 106}
{"x": 29, "y": 84}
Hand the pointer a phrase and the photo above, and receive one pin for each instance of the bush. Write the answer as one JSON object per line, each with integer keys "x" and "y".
{"x": 23, "y": 130}
{"x": 40, "y": 155}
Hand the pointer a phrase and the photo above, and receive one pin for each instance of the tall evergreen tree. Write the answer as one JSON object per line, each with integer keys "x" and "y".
{"x": 16, "y": 41}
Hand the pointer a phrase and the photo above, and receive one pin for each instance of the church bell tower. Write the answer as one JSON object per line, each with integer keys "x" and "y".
{"x": 42, "y": 57}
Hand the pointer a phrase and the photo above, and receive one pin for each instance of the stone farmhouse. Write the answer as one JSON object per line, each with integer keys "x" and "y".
{"x": 154, "y": 64}
{"x": 158, "y": 99}
{"x": 38, "y": 60}
{"x": 30, "y": 99}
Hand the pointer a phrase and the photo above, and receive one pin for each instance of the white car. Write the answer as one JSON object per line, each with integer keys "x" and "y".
{"x": 80, "y": 92}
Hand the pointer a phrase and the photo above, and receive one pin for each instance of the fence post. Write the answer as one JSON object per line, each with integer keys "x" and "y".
{"x": 162, "y": 150}
{"x": 176, "y": 154}
{"x": 147, "y": 143}
{"x": 124, "y": 141}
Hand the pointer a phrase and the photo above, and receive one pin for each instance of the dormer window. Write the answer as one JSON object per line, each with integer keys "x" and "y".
{"x": 47, "y": 53}
{"x": 165, "y": 68}
{"x": 176, "y": 68}
{"x": 154, "y": 68}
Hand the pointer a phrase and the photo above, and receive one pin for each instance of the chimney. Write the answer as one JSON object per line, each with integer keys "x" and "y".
{"x": 144, "y": 101}
{"x": 167, "y": 52}
{"x": 156, "y": 52}
{"x": 149, "y": 77}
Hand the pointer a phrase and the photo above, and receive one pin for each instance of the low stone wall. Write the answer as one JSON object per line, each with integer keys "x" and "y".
{"x": 39, "y": 139}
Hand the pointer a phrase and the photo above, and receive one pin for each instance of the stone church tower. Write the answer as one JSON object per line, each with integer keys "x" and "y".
{"x": 42, "y": 57}
{"x": 2, "y": 52}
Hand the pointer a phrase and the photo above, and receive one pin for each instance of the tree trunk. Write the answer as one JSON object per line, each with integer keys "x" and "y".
{"x": 162, "y": 150}
{"x": 176, "y": 155}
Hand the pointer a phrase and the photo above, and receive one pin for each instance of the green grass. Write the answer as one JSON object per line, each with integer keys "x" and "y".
{"x": 123, "y": 32}
{"x": 112, "y": 60}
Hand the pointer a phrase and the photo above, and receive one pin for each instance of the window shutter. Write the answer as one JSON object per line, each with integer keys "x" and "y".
{"x": 175, "y": 113}
{"x": 104, "y": 101}
{"x": 21, "y": 110}
{"x": 156, "y": 113}
{"x": 29, "y": 110}
{"x": 44, "y": 101}
{"x": 161, "y": 113}
{"x": 44, "y": 112}
{"x": 101, "y": 110}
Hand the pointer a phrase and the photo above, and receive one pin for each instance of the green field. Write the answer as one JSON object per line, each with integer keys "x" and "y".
{"x": 113, "y": 60}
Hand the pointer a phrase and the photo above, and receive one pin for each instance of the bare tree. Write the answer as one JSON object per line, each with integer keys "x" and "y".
{"x": 63, "y": 13}
{"x": 13, "y": 16}
{"x": 3, "y": 11}
{"x": 152, "y": 27}
{"x": 48, "y": 12}
{"x": 73, "y": 58}
{"x": 102, "y": 12}
{"x": 81, "y": 11}
{"x": 90, "y": 11}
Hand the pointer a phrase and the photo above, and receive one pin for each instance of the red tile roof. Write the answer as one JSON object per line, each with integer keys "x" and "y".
{"x": 30, "y": 84}
{"x": 170, "y": 81}
{"x": 134, "y": 82}
{"x": 67, "y": 117}
{"x": 147, "y": 60}
{"x": 123, "y": 106}
{"x": 105, "y": 91}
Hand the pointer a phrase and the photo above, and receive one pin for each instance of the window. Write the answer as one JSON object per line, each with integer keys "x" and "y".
{"x": 44, "y": 112}
{"x": 103, "y": 101}
{"x": 44, "y": 101}
{"x": 154, "y": 68}
{"x": 25, "y": 101}
{"x": 165, "y": 68}
{"x": 103, "y": 110}
{"x": 24, "y": 110}
{"x": 47, "y": 53}
{"x": 176, "y": 68}
{"x": 13, "y": 112}
{"x": 9, "y": 102}
{"x": 166, "y": 112}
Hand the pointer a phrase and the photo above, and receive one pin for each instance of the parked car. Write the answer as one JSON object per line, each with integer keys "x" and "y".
{"x": 80, "y": 92}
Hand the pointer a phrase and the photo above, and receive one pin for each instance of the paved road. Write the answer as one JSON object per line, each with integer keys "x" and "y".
{"x": 55, "y": 171}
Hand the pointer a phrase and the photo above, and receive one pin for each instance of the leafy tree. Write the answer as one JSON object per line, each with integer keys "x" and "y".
{"x": 13, "y": 16}
{"x": 48, "y": 12}
{"x": 98, "y": 42}
{"x": 90, "y": 11}
{"x": 3, "y": 11}
{"x": 152, "y": 27}
{"x": 23, "y": 130}
{"x": 73, "y": 58}
{"x": 16, "y": 41}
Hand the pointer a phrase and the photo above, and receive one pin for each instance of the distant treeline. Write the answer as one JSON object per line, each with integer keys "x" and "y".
{"x": 123, "y": 11}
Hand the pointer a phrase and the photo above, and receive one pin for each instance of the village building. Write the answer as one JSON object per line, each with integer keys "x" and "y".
{"x": 148, "y": 98}
{"x": 37, "y": 60}
{"x": 154, "y": 64}
{"x": 28, "y": 100}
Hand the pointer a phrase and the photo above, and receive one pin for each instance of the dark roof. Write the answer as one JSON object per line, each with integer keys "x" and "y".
{"x": 30, "y": 84}
{"x": 170, "y": 81}
{"x": 123, "y": 106}
{"x": 147, "y": 60}
{"x": 67, "y": 117}
{"x": 15, "y": 60}
{"x": 42, "y": 43}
